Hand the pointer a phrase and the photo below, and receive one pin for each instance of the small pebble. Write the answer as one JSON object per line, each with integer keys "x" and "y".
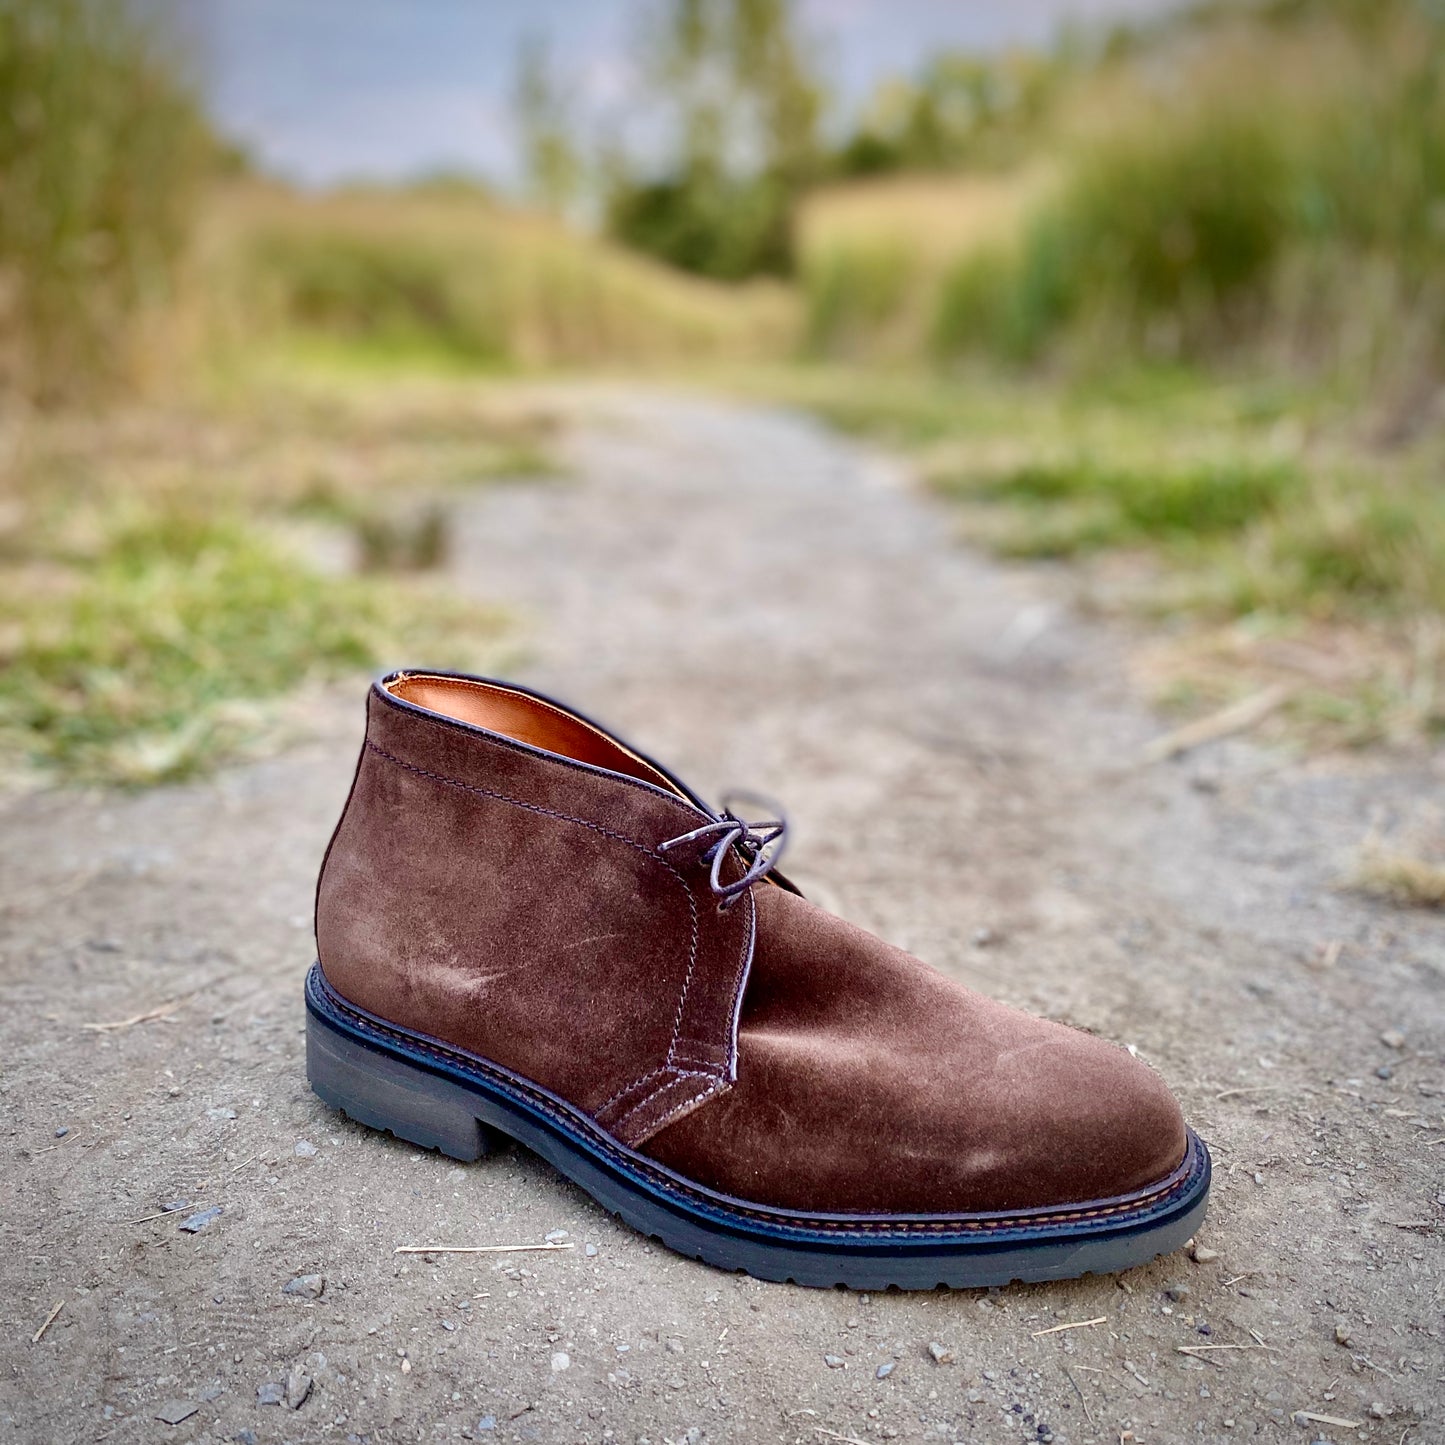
{"x": 487, "y": 1422}
{"x": 197, "y": 1222}
{"x": 590, "y": 1251}
{"x": 308, "y": 1286}
{"x": 982, "y": 937}
{"x": 673, "y": 1347}
{"x": 244, "y": 1437}
{"x": 941, "y": 1354}
{"x": 271, "y": 1393}
{"x": 884, "y": 1370}
{"x": 1378, "y": 1411}
{"x": 1342, "y": 1333}
{"x": 61, "y": 1132}
{"x": 833, "y": 1362}
{"x": 1177, "y": 1292}
{"x": 220, "y": 1115}
{"x": 174, "y": 1411}
{"x": 305, "y": 1149}
{"x": 1393, "y": 1039}
{"x": 174, "y": 1205}
{"x": 298, "y": 1387}
{"x": 561, "y": 1361}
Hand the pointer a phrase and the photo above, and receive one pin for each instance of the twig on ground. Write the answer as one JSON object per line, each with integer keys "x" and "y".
{"x": 1088, "y": 1414}
{"x": 834, "y": 1435}
{"x": 49, "y": 1320}
{"x": 237, "y": 1169}
{"x": 1195, "y": 1349}
{"x": 1073, "y": 1325}
{"x": 1238, "y": 717}
{"x": 160, "y": 1011}
{"x": 480, "y": 1248}
{"x": 1339, "y": 1424}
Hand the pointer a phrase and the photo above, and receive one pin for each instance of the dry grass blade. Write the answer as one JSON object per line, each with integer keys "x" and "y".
{"x": 1399, "y": 877}
{"x": 1072, "y": 1325}
{"x": 49, "y": 1320}
{"x": 1339, "y": 1424}
{"x": 834, "y": 1435}
{"x": 1088, "y": 1413}
{"x": 1210, "y": 1349}
{"x": 1238, "y": 717}
{"x": 160, "y": 1011}
{"x": 546, "y": 1248}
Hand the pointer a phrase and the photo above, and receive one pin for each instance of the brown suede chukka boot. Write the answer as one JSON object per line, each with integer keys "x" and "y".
{"x": 527, "y": 928}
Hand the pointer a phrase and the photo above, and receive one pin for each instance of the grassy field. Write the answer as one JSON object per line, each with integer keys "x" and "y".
{"x": 445, "y": 277}
{"x": 167, "y": 574}
{"x": 1182, "y": 334}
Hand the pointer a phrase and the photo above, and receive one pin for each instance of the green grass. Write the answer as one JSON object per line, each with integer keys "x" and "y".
{"x": 169, "y": 575}
{"x": 1242, "y": 515}
{"x": 1086, "y": 504}
{"x": 151, "y": 663}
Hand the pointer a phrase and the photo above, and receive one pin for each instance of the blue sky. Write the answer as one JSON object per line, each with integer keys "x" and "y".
{"x": 330, "y": 90}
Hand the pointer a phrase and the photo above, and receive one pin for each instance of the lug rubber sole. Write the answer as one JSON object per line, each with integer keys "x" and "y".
{"x": 437, "y": 1097}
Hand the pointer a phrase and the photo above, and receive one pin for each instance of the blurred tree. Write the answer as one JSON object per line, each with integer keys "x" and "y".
{"x": 549, "y": 154}
{"x": 741, "y": 112}
{"x": 961, "y": 111}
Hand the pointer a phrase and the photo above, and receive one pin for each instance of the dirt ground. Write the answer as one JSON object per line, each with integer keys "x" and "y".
{"x": 765, "y": 605}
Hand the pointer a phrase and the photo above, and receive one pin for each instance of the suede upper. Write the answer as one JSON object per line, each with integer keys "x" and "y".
{"x": 518, "y": 904}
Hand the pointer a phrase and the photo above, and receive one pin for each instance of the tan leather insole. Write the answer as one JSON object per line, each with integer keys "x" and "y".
{"x": 527, "y": 719}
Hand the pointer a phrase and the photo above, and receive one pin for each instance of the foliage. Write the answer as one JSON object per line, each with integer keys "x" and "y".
{"x": 148, "y": 669}
{"x": 741, "y": 108}
{"x": 961, "y": 111}
{"x": 550, "y": 156}
{"x": 458, "y": 279}
{"x": 1239, "y": 214}
{"x": 102, "y": 150}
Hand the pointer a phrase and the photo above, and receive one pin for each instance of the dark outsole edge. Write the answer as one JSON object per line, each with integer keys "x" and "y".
{"x": 434, "y": 1097}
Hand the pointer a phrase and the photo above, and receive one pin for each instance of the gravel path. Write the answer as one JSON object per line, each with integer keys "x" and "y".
{"x": 765, "y": 605}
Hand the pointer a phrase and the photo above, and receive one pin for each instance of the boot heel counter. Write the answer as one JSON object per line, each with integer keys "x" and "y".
{"x": 334, "y": 915}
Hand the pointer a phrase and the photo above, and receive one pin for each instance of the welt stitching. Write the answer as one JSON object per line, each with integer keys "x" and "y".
{"x": 606, "y": 832}
{"x": 1175, "y": 1184}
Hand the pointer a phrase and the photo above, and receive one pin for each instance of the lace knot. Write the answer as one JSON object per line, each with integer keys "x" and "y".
{"x": 759, "y": 844}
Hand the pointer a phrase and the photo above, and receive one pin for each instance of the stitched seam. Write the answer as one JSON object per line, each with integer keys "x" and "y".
{"x": 629, "y": 1158}
{"x": 606, "y": 832}
{"x": 678, "y": 1076}
{"x": 671, "y": 1114}
{"x": 417, "y": 713}
{"x": 628, "y": 1088}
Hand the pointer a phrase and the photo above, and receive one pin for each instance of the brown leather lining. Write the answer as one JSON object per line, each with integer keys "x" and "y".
{"x": 523, "y": 718}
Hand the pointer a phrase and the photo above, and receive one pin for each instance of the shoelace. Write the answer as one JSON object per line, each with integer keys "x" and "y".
{"x": 751, "y": 840}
